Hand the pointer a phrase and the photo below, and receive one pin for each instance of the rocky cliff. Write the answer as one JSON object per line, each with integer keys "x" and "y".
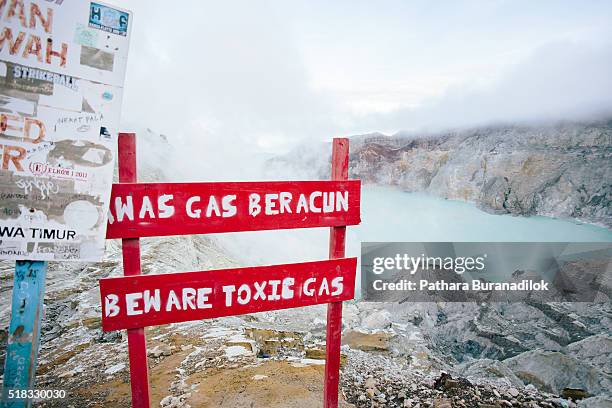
{"x": 562, "y": 170}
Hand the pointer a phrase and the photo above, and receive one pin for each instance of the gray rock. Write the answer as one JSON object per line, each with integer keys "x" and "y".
{"x": 596, "y": 402}
{"x": 554, "y": 371}
{"x": 597, "y": 350}
{"x": 160, "y": 350}
{"x": 377, "y": 320}
{"x": 558, "y": 170}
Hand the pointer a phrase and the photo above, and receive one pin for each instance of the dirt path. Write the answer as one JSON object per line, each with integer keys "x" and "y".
{"x": 267, "y": 384}
{"x": 272, "y": 384}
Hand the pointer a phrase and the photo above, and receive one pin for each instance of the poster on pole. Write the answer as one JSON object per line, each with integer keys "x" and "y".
{"x": 62, "y": 68}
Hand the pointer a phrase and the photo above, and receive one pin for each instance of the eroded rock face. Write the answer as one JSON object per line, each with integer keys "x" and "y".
{"x": 559, "y": 171}
{"x": 357, "y": 340}
{"x": 377, "y": 320}
{"x": 596, "y": 402}
{"x": 554, "y": 371}
{"x": 492, "y": 370}
{"x": 496, "y": 342}
{"x": 597, "y": 350}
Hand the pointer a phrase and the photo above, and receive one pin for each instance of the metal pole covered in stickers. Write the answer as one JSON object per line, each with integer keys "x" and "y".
{"x": 24, "y": 334}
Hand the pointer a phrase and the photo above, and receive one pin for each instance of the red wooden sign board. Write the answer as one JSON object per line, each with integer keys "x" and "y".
{"x": 149, "y": 300}
{"x": 156, "y": 209}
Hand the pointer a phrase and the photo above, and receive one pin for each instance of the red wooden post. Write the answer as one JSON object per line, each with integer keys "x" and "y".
{"x": 337, "y": 237}
{"x": 137, "y": 344}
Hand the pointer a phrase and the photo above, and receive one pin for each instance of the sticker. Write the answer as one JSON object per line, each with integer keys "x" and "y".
{"x": 35, "y": 80}
{"x": 85, "y": 36}
{"x": 104, "y": 133}
{"x": 108, "y": 19}
{"x": 60, "y": 251}
{"x": 80, "y": 153}
{"x": 18, "y": 78}
{"x": 43, "y": 169}
{"x": 62, "y": 70}
{"x": 86, "y": 107}
{"x": 95, "y": 58}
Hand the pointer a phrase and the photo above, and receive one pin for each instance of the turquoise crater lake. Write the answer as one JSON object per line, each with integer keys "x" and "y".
{"x": 389, "y": 214}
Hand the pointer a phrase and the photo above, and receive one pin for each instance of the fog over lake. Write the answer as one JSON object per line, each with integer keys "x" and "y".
{"x": 389, "y": 214}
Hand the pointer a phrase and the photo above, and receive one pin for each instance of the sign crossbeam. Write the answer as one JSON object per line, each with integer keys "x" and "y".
{"x": 158, "y": 209}
{"x": 148, "y": 300}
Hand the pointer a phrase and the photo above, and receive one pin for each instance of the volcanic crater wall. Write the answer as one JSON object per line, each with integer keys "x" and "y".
{"x": 560, "y": 171}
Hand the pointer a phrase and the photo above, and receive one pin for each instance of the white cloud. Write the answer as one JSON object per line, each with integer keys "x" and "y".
{"x": 559, "y": 81}
{"x": 225, "y": 79}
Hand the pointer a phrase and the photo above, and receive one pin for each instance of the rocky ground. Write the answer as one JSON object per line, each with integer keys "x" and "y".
{"x": 394, "y": 355}
{"x": 374, "y": 381}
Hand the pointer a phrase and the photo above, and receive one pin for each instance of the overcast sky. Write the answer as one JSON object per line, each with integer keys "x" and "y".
{"x": 271, "y": 73}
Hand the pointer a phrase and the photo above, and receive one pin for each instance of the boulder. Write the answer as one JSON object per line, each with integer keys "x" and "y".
{"x": 378, "y": 320}
{"x": 554, "y": 371}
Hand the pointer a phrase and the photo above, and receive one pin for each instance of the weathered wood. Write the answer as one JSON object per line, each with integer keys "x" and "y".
{"x": 148, "y": 300}
{"x": 137, "y": 343}
{"x": 158, "y": 209}
{"x": 24, "y": 330}
{"x": 337, "y": 238}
